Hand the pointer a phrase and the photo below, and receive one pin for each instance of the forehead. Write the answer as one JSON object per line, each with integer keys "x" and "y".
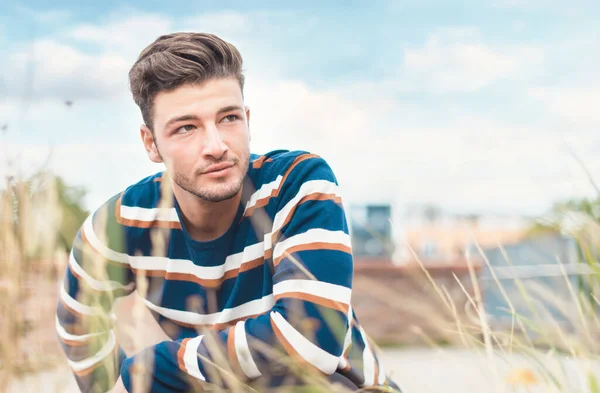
{"x": 201, "y": 99}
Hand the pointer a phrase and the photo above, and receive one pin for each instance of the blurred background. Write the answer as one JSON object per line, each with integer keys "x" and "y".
{"x": 460, "y": 132}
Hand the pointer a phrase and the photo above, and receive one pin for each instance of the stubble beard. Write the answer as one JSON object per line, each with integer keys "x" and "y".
{"x": 216, "y": 193}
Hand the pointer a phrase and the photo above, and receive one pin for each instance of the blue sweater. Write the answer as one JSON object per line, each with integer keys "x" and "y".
{"x": 280, "y": 278}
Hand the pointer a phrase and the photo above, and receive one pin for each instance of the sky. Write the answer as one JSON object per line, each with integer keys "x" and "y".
{"x": 479, "y": 108}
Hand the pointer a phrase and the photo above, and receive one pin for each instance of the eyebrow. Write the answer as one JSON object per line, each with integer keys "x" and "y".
{"x": 230, "y": 108}
{"x": 177, "y": 119}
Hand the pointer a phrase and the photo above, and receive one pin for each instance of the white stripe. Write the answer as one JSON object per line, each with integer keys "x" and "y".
{"x": 382, "y": 373}
{"x": 88, "y": 230}
{"x": 312, "y": 236}
{"x": 310, "y": 187}
{"x": 347, "y": 339}
{"x": 149, "y": 215}
{"x": 264, "y": 191}
{"x": 101, "y": 354}
{"x": 176, "y": 266}
{"x": 258, "y": 306}
{"x": 185, "y": 266}
{"x": 242, "y": 351}
{"x": 314, "y": 355}
{"x": 190, "y": 358}
{"x": 337, "y": 293}
{"x": 77, "y": 306}
{"x": 368, "y": 361}
{"x": 97, "y": 284}
{"x": 62, "y": 333}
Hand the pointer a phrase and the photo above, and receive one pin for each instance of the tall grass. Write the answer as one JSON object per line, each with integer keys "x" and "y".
{"x": 29, "y": 227}
{"x": 562, "y": 355}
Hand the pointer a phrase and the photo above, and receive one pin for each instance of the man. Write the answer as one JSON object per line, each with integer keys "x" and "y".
{"x": 244, "y": 260}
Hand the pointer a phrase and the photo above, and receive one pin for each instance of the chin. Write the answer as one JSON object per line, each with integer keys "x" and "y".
{"x": 214, "y": 190}
{"x": 219, "y": 192}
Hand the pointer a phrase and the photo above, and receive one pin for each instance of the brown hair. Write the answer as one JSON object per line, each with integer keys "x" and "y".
{"x": 178, "y": 59}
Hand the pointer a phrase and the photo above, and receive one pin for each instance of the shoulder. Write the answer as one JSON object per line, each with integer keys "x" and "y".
{"x": 290, "y": 167}
{"x": 284, "y": 176}
{"x": 142, "y": 196}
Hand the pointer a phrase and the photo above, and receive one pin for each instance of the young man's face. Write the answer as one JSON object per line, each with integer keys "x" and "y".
{"x": 201, "y": 135}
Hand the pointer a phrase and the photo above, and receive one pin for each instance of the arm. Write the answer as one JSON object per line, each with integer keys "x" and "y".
{"x": 312, "y": 279}
{"x": 95, "y": 276}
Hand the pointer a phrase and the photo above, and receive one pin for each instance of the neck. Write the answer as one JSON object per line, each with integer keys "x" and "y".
{"x": 206, "y": 221}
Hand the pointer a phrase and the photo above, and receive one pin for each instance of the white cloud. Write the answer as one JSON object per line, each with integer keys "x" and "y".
{"x": 92, "y": 60}
{"x": 456, "y": 60}
{"x": 126, "y": 36}
{"x": 58, "y": 70}
{"x": 577, "y": 106}
{"x": 381, "y": 148}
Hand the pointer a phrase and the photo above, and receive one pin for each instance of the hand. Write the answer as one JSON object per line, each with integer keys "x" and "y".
{"x": 136, "y": 327}
{"x": 119, "y": 387}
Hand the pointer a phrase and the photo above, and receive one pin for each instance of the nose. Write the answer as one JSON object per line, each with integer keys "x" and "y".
{"x": 213, "y": 143}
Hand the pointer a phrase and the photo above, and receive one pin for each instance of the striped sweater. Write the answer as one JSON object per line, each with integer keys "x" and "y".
{"x": 280, "y": 278}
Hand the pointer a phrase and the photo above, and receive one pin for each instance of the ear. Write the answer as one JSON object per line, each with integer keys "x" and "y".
{"x": 150, "y": 144}
{"x": 248, "y": 121}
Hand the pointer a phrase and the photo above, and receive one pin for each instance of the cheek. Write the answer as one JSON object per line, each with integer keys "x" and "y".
{"x": 240, "y": 143}
{"x": 181, "y": 157}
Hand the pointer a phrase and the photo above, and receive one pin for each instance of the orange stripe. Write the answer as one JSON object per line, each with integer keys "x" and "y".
{"x": 376, "y": 371}
{"x": 216, "y": 326}
{"x": 316, "y": 196}
{"x": 86, "y": 243}
{"x": 180, "y": 354}
{"x": 187, "y": 277}
{"x": 269, "y": 253}
{"x": 315, "y": 299}
{"x": 208, "y": 283}
{"x": 142, "y": 224}
{"x": 89, "y": 288}
{"x": 260, "y": 203}
{"x": 265, "y": 201}
{"x": 347, "y": 351}
{"x": 259, "y": 162}
{"x": 233, "y": 358}
{"x": 91, "y": 369}
{"x": 73, "y": 343}
{"x": 297, "y": 161}
{"x": 292, "y": 352}
{"x": 75, "y": 311}
{"x": 312, "y": 246}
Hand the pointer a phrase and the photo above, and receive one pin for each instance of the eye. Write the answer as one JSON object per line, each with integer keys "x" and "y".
{"x": 184, "y": 129}
{"x": 230, "y": 118}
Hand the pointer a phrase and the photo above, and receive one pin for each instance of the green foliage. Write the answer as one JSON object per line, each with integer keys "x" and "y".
{"x": 554, "y": 220}
{"x": 70, "y": 201}
{"x": 45, "y": 202}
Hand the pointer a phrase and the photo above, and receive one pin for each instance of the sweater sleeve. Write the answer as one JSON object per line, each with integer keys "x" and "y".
{"x": 96, "y": 275}
{"x": 310, "y": 253}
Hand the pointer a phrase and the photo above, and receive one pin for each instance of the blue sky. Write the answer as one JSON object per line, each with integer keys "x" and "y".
{"x": 468, "y": 105}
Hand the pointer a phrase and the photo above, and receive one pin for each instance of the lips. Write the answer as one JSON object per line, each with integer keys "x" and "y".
{"x": 218, "y": 167}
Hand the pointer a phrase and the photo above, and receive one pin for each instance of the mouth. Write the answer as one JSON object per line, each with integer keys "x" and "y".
{"x": 218, "y": 169}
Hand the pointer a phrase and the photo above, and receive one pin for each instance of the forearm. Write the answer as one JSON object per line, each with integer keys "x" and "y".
{"x": 248, "y": 350}
{"x": 84, "y": 327}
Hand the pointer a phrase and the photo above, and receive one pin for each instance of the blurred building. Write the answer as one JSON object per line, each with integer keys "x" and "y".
{"x": 437, "y": 238}
{"x": 535, "y": 278}
{"x": 371, "y": 232}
